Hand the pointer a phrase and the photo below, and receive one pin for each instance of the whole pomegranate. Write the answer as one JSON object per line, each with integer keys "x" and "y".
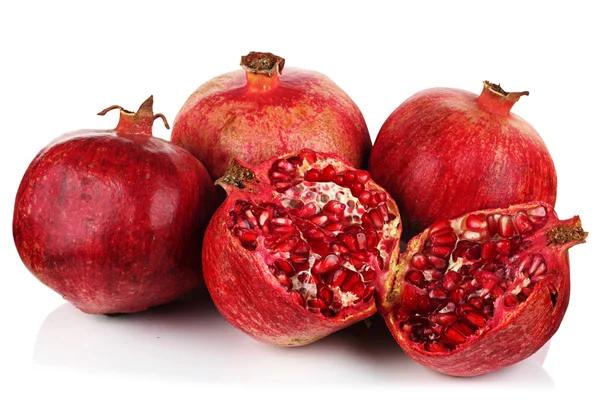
{"x": 113, "y": 219}
{"x": 482, "y": 291}
{"x": 294, "y": 252}
{"x": 262, "y": 112}
{"x": 445, "y": 152}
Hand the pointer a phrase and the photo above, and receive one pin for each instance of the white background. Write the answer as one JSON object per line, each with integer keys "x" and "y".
{"x": 63, "y": 62}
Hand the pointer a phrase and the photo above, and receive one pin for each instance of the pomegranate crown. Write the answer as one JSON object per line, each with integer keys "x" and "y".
{"x": 140, "y": 121}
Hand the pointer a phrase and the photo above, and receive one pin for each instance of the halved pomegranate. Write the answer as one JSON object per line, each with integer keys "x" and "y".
{"x": 483, "y": 291}
{"x": 294, "y": 252}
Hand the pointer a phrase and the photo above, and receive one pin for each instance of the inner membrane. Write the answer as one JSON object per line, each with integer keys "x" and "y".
{"x": 324, "y": 238}
{"x": 467, "y": 270}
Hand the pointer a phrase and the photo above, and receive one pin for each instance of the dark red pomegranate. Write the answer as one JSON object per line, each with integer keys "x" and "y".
{"x": 445, "y": 152}
{"x": 262, "y": 112}
{"x": 113, "y": 220}
{"x": 482, "y": 291}
{"x": 294, "y": 252}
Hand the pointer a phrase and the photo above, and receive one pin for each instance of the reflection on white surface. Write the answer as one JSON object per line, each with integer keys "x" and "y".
{"x": 190, "y": 341}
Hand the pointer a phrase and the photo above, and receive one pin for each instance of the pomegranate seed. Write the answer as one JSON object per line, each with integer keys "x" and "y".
{"x": 450, "y": 280}
{"x": 287, "y": 243}
{"x": 339, "y": 248}
{"x": 339, "y": 277}
{"x": 522, "y": 223}
{"x": 361, "y": 241}
{"x": 376, "y": 218}
{"x": 359, "y": 289}
{"x": 307, "y": 211}
{"x": 496, "y": 292}
{"x": 447, "y": 239}
{"x": 435, "y": 274}
{"x": 364, "y": 197}
{"x": 476, "y": 222}
{"x": 537, "y": 215}
{"x": 436, "y": 347}
{"x": 349, "y": 177}
{"x": 339, "y": 180}
{"x": 284, "y": 280}
{"x": 312, "y": 175}
{"x": 285, "y": 266}
{"x": 439, "y": 225}
{"x": 308, "y": 155}
{"x": 282, "y": 221}
{"x": 416, "y": 277}
{"x": 488, "y": 251}
{"x": 452, "y": 335}
{"x": 538, "y": 266}
{"x": 326, "y": 264}
{"x": 381, "y": 197}
{"x": 279, "y": 175}
{"x": 420, "y": 261}
{"x": 441, "y": 251}
{"x": 298, "y": 258}
{"x": 492, "y": 222}
{"x": 356, "y": 188}
{"x": 320, "y": 220}
{"x": 282, "y": 185}
{"x": 372, "y": 239}
{"x": 374, "y": 202}
{"x": 334, "y": 227}
{"x": 503, "y": 247}
{"x": 443, "y": 319}
{"x": 437, "y": 262}
{"x": 350, "y": 241}
{"x": 335, "y": 207}
{"x": 362, "y": 176}
{"x": 315, "y": 304}
{"x": 457, "y": 296}
{"x": 423, "y": 304}
{"x": 463, "y": 328}
{"x": 438, "y": 293}
{"x": 476, "y": 302}
{"x": 511, "y": 300}
{"x": 473, "y": 235}
{"x": 505, "y": 226}
{"x": 326, "y": 294}
{"x": 352, "y": 279}
{"x": 401, "y": 314}
{"x": 368, "y": 274}
{"x": 298, "y": 298}
{"x": 366, "y": 220}
{"x": 368, "y": 294}
{"x": 475, "y": 318}
{"x": 328, "y": 174}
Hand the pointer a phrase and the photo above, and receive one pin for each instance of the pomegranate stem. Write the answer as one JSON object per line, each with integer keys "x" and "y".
{"x": 139, "y": 122}
{"x": 496, "y": 100}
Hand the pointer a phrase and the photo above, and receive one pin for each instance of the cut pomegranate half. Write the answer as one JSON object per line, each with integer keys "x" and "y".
{"x": 482, "y": 291}
{"x": 294, "y": 252}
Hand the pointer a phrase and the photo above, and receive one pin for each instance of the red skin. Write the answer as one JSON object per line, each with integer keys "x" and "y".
{"x": 445, "y": 152}
{"x": 248, "y": 295}
{"x": 254, "y": 117}
{"x": 113, "y": 221}
{"x": 513, "y": 334}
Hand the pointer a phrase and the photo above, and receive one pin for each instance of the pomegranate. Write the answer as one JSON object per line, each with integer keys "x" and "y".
{"x": 294, "y": 252}
{"x": 445, "y": 152}
{"x": 482, "y": 291}
{"x": 262, "y": 112}
{"x": 113, "y": 219}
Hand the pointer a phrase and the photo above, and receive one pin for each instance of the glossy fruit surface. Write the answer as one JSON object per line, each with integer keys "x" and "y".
{"x": 295, "y": 251}
{"x": 113, "y": 219}
{"x": 263, "y": 111}
{"x": 445, "y": 152}
{"x": 483, "y": 291}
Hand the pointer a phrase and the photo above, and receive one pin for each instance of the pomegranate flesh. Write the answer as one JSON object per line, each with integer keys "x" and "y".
{"x": 294, "y": 252}
{"x": 482, "y": 291}
{"x": 113, "y": 219}
{"x": 445, "y": 152}
{"x": 262, "y": 112}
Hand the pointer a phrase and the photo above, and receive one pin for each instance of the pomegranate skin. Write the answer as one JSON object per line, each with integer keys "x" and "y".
{"x": 113, "y": 219}
{"x": 445, "y": 152}
{"x": 513, "y": 333}
{"x": 257, "y": 114}
{"x": 240, "y": 284}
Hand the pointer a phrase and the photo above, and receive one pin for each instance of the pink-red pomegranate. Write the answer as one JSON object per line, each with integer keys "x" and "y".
{"x": 113, "y": 220}
{"x": 263, "y": 111}
{"x": 482, "y": 291}
{"x": 294, "y": 252}
{"x": 445, "y": 152}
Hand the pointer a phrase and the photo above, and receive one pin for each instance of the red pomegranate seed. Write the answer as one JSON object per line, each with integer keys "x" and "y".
{"x": 284, "y": 280}
{"x": 447, "y": 239}
{"x": 443, "y": 318}
{"x": 369, "y": 294}
{"x": 374, "y": 202}
{"x": 437, "y": 262}
{"x": 352, "y": 279}
{"x": 372, "y": 239}
{"x": 457, "y": 296}
{"x": 511, "y": 300}
{"x": 416, "y": 277}
{"x": 537, "y": 215}
{"x": 315, "y": 304}
{"x": 326, "y": 294}
{"x": 298, "y": 258}
{"x": 326, "y": 264}
{"x": 368, "y": 274}
{"x": 339, "y": 180}
{"x": 298, "y": 298}
{"x": 538, "y": 266}
{"x": 441, "y": 251}
{"x": 349, "y": 177}
{"x": 522, "y": 223}
{"x": 438, "y": 293}
{"x": 320, "y": 219}
{"x": 436, "y": 347}
{"x": 364, "y": 197}
{"x": 328, "y": 174}
{"x": 505, "y": 226}
{"x": 308, "y": 155}
{"x": 503, "y": 246}
{"x": 339, "y": 277}
{"x": 359, "y": 289}
{"x": 308, "y": 210}
{"x": 356, "y": 188}
{"x": 401, "y": 314}
{"x": 435, "y": 274}
{"x": 452, "y": 335}
{"x": 366, "y": 220}
{"x": 476, "y": 302}
{"x": 279, "y": 175}
{"x": 488, "y": 251}
{"x": 496, "y": 292}
{"x": 361, "y": 241}
{"x": 376, "y": 218}
{"x": 282, "y": 185}
{"x": 247, "y": 236}
{"x": 285, "y": 266}
{"x": 476, "y": 222}
{"x": 423, "y": 304}
{"x": 335, "y": 207}
{"x": 287, "y": 243}
{"x": 438, "y": 226}
{"x": 312, "y": 175}
{"x": 334, "y": 226}
{"x": 339, "y": 248}
{"x": 450, "y": 280}
{"x": 475, "y": 318}
{"x": 362, "y": 176}
{"x": 420, "y": 261}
